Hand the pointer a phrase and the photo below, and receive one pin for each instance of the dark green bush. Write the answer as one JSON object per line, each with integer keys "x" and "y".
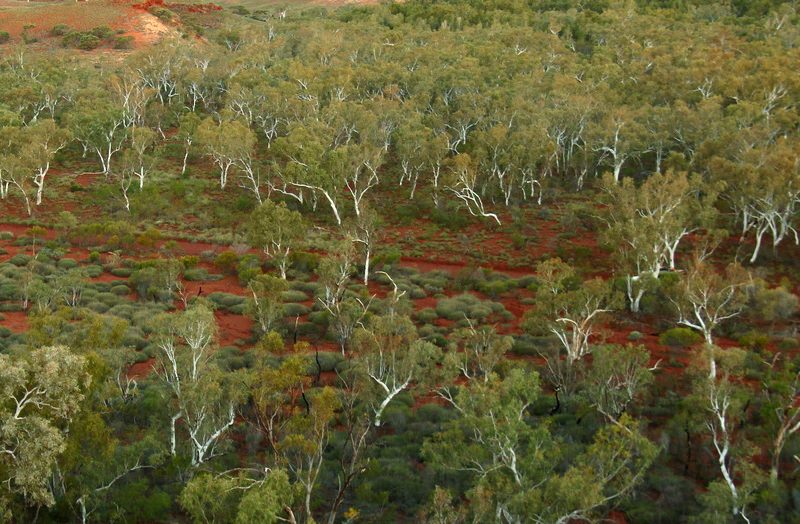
{"x": 633, "y": 336}
{"x": 102, "y": 32}
{"x": 88, "y": 42}
{"x": 679, "y": 337}
{"x": 754, "y": 340}
{"x": 304, "y": 262}
{"x": 121, "y": 290}
{"x": 294, "y": 310}
{"x": 227, "y": 262}
{"x": 4, "y": 37}
{"x": 123, "y": 42}
{"x": 293, "y": 295}
{"x": 59, "y": 30}
{"x": 20, "y": 259}
{"x": 196, "y": 274}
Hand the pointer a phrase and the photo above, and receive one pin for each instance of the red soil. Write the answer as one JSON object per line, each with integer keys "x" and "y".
{"x": 141, "y": 369}
{"x": 16, "y": 321}
{"x": 233, "y": 328}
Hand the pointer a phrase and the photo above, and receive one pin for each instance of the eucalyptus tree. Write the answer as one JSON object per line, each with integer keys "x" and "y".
{"x": 388, "y": 350}
{"x": 703, "y": 299}
{"x": 97, "y": 122}
{"x": 202, "y": 395}
{"x": 42, "y": 392}
{"x": 512, "y": 459}
{"x": 276, "y": 230}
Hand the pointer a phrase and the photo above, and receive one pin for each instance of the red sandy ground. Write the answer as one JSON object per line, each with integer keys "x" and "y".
{"x": 145, "y": 28}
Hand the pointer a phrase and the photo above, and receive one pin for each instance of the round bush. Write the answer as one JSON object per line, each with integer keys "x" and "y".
{"x": 87, "y": 42}
{"x": 294, "y": 310}
{"x": 679, "y": 337}
{"x": 196, "y": 274}
{"x": 294, "y": 295}
{"x": 20, "y": 259}
{"x": 94, "y": 271}
{"x": 633, "y": 336}
{"x": 67, "y": 263}
{"x": 426, "y": 315}
{"x": 121, "y": 290}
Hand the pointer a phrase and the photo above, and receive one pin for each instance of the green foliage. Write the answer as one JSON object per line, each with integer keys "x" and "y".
{"x": 679, "y": 337}
{"x": 59, "y": 30}
{"x": 467, "y": 306}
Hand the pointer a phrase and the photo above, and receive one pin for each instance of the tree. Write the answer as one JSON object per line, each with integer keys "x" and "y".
{"x": 704, "y": 299}
{"x": 511, "y": 458}
{"x": 141, "y": 140}
{"x": 43, "y": 140}
{"x": 619, "y": 137}
{"x": 29, "y": 152}
{"x": 204, "y": 397}
{"x": 781, "y": 388}
{"x": 309, "y": 163}
{"x": 98, "y": 125}
{"x": 345, "y": 312}
{"x": 389, "y": 351}
{"x": 722, "y": 403}
{"x": 265, "y": 304}
{"x": 187, "y": 133}
{"x": 463, "y": 183}
{"x": 364, "y": 231}
{"x": 307, "y": 437}
{"x": 246, "y": 498}
{"x": 276, "y": 230}
{"x": 648, "y": 223}
{"x": 228, "y": 143}
{"x": 618, "y": 375}
{"x": 764, "y": 190}
{"x": 41, "y": 393}
{"x": 571, "y": 310}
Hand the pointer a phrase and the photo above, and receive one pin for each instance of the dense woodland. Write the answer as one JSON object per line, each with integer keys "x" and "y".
{"x": 432, "y": 261}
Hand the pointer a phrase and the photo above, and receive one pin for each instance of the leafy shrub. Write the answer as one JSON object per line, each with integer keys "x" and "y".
{"x": 120, "y": 290}
{"x": 59, "y": 30}
{"x": 4, "y": 37}
{"x": 293, "y": 295}
{"x": 679, "y": 337}
{"x": 20, "y": 260}
{"x": 227, "y": 262}
{"x": 426, "y": 315}
{"x": 304, "y": 262}
{"x": 249, "y": 267}
{"x": 67, "y": 263}
{"x": 226, "y": 300}
{"x": 94, "y": 271}
{"x": 495, "y": 288}
{"x": 388, "y": 256}
{"x": 88, "y": 42}
{"x": 633, "y": 336}
{"x": 294, "y": 310}
{"x": 102, "y": 32}
{"x": 123, "y": 42}
{"x": 162, "y": 13}
{"x": 754, "y": 340}
{"x": 8, "y": 291}
{"x": 469, "y": 306}
{"x": 122, "y": 272}
{"x": 196, "y": 274}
